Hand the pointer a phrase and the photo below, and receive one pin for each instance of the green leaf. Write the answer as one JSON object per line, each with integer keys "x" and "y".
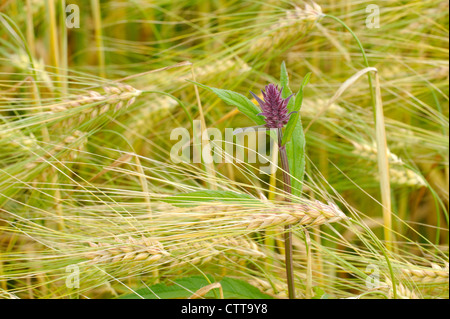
{"x": 239, "y": 289}
{"x": 181, "y": 288}
{"x": 243, "y": 104}
{"x": 284, "y": 82}
{"x": 292, "y": 123}
{"x": 295, "y": 150}
{"x": 294, "y": 140}
{"x": 298, "y": 104}
{"x": 320, "y": 294}
{"x": 185, "y": 287}
{"x": 198, "y": 197}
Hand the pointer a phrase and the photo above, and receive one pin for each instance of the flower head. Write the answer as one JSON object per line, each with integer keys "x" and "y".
{"x": 274, "y": 107}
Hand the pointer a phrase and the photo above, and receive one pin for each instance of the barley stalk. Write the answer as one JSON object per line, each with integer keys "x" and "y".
{"x": 13, "y": 138}
{"x": 369, "y": 151}
{"x": 275, "y": 289}
{"x": 406, "y": 177}
{"x": 231, "y": 67}
{"x": 403, "y": 292}
{"x": 140, "y": 122}
{"x": 288, "y": 28}
{"x": 312, "y": 214}
{"x": 7, "y": 295}
{"x": 433, "y": 275}
{"x": 440, "y": 73}
{"x": 308, "y": 213}
{"x": 131, "y": 249}
{"x": 115, "y": 98}
{"x": 404, "y": 138}
{"x": 311, "y": 107}
{"x": 195, "y": 253}
{"x": 21, "y": 61}
{"x": 205, "y": 251}
{"x": 399, "y": 175}
{"x": 239, "y": 246}
{"x": 75, "y": 143}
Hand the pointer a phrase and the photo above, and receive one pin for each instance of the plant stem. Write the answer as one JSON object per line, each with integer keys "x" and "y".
{"x": 287, "y": 228}
{"x": 383, "y": 165}
{"x": 30, "y": 28}
{"x": 64, "y": 48}
{"x": 210, "y": 169}
{"x": 95, "y": 4}
{"x": 363, "y": 53}
{"x": 54, "y": 39}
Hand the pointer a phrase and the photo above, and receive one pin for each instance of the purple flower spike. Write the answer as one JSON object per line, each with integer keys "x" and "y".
{"x": 274, "y": 107}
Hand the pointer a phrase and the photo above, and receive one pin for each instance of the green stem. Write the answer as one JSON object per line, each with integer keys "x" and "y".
{"x": 287, "y": 228}
{"x": 363, "y": 53}
{"x": 383, "y": 251}
{"x": 384, "y": 173}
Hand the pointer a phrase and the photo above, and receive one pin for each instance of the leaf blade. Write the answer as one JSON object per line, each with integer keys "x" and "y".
{"x": 284, "y": 81}
{"x": 292, "y": 123}
{"x": 244, "y": 104}
{"x": 296, "y": 158}
{"x": 183, "y": 288}
{"x": 295, "y": 142}
{"x": 198, "y": 197}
